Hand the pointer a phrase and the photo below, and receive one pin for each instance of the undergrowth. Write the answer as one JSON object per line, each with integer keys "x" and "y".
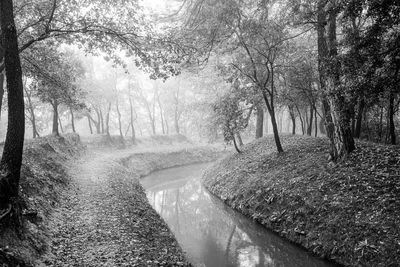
{"x": 346, "y": 212}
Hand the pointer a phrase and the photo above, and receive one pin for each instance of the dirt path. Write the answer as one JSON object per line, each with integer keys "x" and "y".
{"x": 105, "y": 220}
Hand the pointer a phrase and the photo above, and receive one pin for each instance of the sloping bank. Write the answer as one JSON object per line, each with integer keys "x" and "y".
{"x": 50, "y": 198}
{"x": 43, "y": 178}
{"x": 108, "y": 220}
{"x": 348, "y": 213}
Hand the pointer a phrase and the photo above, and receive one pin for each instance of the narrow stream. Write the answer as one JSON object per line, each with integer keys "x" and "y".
{"x": 211, "y": 233}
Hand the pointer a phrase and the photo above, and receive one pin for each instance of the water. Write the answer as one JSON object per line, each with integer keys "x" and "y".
{"x": 211, "y": 233}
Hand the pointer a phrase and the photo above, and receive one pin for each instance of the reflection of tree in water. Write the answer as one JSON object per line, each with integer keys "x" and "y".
{"x": 214, "y": 234}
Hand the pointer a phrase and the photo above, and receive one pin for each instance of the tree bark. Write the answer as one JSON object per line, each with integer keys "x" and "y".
{"x": 239, "y": 138}
{"x": 10, "y": 165}
{"x": 90, "y": 125}
{"x": 342, "y": 136}
{"x": 161, "y": 114}
{"x": 72, "y": 120}
{"x": 101, "y": 118}
{"x": 392, "y": 129}
{"x": 323, "y": 55}
{"x": 55, "y": 119}
{"x": 132, "y": 120}
{"x": 310, "y": 122}
{"x": 236, "y": 145}
{"x": 260, "y": 122}
{"x": 293, "y": 118}
{"x": 271, "y": 111}
{"x": 176, "y": 111}
{"x": 108, "y": 120}
{"x": 119, "y": 121}
{"x": 359, "y": 118}
{"x": 316, "y": 123}
{"x": 1, "y": 89}
{"x": 61, "y": 126}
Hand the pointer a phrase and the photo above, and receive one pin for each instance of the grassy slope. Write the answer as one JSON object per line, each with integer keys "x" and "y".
{"x": 43, "y": 178}
{"x": 348, "y": 213}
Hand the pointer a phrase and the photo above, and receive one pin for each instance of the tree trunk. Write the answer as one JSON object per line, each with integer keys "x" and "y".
{"x": 61, "y": 126}
{"x": 10, "y": 165}
{"x": 240, "y": 140}
{"x": 90, "y": 125}
{"x": 236, "y": 145}
{"x": 1, "y": 89}
{"x": 343, "y": 142}
{"x": 359, "y": 117}
{"x": 293, "y": 118}
{"x": 101, "y": 121}
{"x": 55, "y": 119}
{"x": 161, "y": 114}
{"x": 392, "y": 129}
{"x": 271, "y": 112}
{"x": 72, "y": 120}
{"x": 176, "y": 121}
{"x": 323, "y": 54}
{"x": 119, "y": 121}
{"x": 35, "y": 133}
{"x": 260, "y": 122}
{"x": 310, "y": 122}
{"x": 108, "y": 120}
{"x": 380, "y": 129}
{"x": 301, "y": 119}
{"x": 132, "y": 119}
{"x": 316, "y": 123}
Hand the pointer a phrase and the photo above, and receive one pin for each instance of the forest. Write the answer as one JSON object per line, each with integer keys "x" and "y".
{"x": 211, "y": 72}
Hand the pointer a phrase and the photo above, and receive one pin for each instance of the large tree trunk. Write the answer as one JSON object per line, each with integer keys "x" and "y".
{"x": 10, "y": 165}
{"x": 72, "y": 120}
{"x": 323, "y": 55}
{"x": 342, "y": 136}
{"x": 260, "y": 122}
{"x": 55, "y": 119}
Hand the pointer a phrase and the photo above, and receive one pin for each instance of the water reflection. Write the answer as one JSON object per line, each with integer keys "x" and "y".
{"x": 211, "y": 233}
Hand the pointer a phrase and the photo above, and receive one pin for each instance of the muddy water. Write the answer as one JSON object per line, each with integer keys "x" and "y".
{"x": 211, "y": 233}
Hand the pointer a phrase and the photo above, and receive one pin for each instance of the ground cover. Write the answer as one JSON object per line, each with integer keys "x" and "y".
{"x": 346, "y": 212}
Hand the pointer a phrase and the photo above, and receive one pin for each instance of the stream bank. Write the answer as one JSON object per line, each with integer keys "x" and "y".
{"x": 105, "y": 219}
{"x": 347, "y": 212}
{"x": 87, "y": 208}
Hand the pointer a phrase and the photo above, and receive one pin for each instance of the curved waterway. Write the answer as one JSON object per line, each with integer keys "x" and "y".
{"x": 210, "y": 232}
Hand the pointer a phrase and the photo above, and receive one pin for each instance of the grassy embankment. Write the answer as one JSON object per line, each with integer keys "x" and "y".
{"x": 348, "y": 212}
{"x": 43, "y": 178}
{"x": 46, "y": 184}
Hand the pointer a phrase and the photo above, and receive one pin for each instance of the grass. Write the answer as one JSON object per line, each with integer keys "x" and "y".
{"x": 348, "y": 213}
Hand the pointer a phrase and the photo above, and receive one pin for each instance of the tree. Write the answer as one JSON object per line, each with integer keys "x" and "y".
{"x": 230, "y": 116}
{"x": 10, "y": 165}
{"x": 59, "y": 82}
